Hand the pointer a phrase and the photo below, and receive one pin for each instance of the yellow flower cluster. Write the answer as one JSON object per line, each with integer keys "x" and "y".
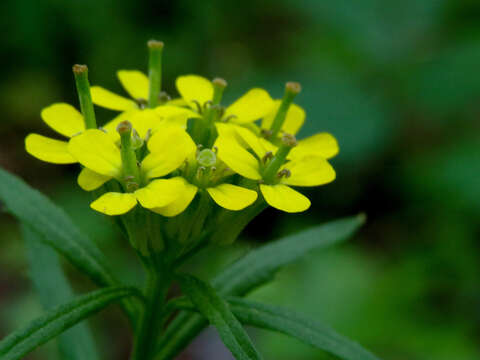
{"x": 161, "y": 157}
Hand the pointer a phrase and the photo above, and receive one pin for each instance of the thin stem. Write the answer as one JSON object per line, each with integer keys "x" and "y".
{"x": 154, "y": 72}
{"x": 291, "y": 90}
{"x": 84, "y": 96}
{"x": 151, "y": 320}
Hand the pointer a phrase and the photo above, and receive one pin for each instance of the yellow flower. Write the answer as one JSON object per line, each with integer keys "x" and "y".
{"x": 136, "y": 85}
{"x": 100, "y": 154}
{"x": 308, "y": 168}
{"x": 204, "y": 172}
{"x": 65, "y": 120}
{"x": 198, "y": 93}
{"x": 168, "y": 149}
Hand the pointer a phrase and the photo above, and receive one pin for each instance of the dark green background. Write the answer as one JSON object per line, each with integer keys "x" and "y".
{"x": 398, "y": 84}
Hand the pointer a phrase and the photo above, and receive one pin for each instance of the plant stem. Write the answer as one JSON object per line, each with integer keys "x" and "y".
{"x": 84, "y": 95}
{"x": 150, "y": 323}
{"x": 154, "y": 71}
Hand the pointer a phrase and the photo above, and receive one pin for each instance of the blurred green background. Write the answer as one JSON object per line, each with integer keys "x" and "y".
{"x": 398, "y": 84}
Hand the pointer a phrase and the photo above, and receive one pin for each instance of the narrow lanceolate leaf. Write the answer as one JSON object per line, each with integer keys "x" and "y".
{"x": 255, "y": 269}
{"x": 259, "y": 266}
{"x": 54, "y": 289}
{"x": 43, "y": 216}
{"x": 216, "y": 310}
{"x": 21, "y": 342}
{"x": 287, "y": 322}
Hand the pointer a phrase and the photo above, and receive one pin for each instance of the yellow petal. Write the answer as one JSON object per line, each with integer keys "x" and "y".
{"x": 179, "y": 205}
{"x": 252, "y": 106}
{"x": 170, "y": 139}
{"x": 237, "y": 158}
{"x": 194, "y": 88}
{"x": 232, "y": 197}
{"x": 253, "y": 141}
{"x": 114, "y": 203}
{"x": 177, "y": 102}
{"x": 322, "y": 144}
{"x": 168, "y": 150}
{"x": 135, "y": 83}
{"x": 64, "y": 119}
{"x": 145, "y": 120}
{"x": 160, "y": 192}
{"x": 96, "y": 150}
{"x": 226, "y": 129}
{"x": 309, "y": 171}
{"x": 49, "y": 150}
{"x": 107, "y": 99}
{"x": 89, "y": 180}
{"x": 284, "y": 198}
{"x": 293, "y": 121}
{"x": 175, "y": 114}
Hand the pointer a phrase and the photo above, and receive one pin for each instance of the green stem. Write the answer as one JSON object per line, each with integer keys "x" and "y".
{"x": 85, "y": 98}
{"x": 131, "y": 171}
{"x": 291, "y": 90}
{"x": 150, "y": 323}
{"x": 275, "y": 164}
{"x": 154, "y": 72}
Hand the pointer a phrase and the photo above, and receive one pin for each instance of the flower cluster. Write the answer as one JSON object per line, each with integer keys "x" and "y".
{"x": 165, "y": 154}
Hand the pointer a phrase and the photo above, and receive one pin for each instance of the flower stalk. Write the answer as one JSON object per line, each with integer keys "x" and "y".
{"x": 149, "y": 327}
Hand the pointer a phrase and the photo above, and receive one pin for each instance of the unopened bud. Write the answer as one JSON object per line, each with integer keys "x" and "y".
{"x": 124, "y": 127}
{"x": 289, "y": 140}
{"x": 293, "y": 87}
{"x": 206, "y": 158}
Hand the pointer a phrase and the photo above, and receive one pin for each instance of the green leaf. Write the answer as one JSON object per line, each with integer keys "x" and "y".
{"x": 216, "y": 310}
{"x": 259, "y": 266}
{"x": 256, "y": 268}
{"x": 59, "y": 319}
{"x": 54, "y": 289}
{"x": 290, "y": 323}
{"x": 58, "y": 231}
{"x": 42, "y": 215}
